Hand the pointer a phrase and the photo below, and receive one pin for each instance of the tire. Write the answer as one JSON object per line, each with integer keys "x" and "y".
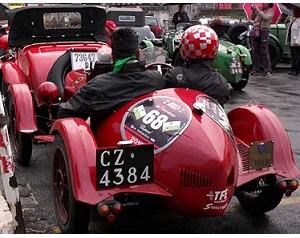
{"x": 177, "y": 59}
{"x": 72, "y": 216}
{"x": 235, "y": 30}
{"x": 242, "y": 83}
{"x": 275, "y": 53}
{"x": 21, "y": 143}
{"x": 59, "y": 70}
{"x": 246, "y": 43}
{"x": 258, "y": 199}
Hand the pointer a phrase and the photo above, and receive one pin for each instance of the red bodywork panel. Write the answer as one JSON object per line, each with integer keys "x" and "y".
{"x": 36, "y": 60}
{"x": 31, "y": 67}
{"x": 81, "y": 148}
{"x": 204, "y": 153}
{"x": 12, "y": 74}
{"x": 23, "y": 104}
{"x": 257, "y": 123}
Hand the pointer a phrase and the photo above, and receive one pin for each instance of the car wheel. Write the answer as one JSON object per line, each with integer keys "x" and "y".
{"x": 243, "y": 82}
{"x": 21, "y": 143}
{"x": 259, "y": 196}
{"x": 72, "y": 216}
{"x": 235, "y": 31}
{"x": 239, "y": 85}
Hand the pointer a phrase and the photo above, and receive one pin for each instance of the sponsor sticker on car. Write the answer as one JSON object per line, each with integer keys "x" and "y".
{"x": 218, "y": 200}
{"x": 158, "y": 120}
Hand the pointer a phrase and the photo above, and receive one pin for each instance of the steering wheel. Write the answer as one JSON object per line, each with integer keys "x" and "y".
{"x": 163, "y": 68}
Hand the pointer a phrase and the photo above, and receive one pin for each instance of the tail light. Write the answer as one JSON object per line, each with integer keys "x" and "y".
{"x": 117, "y": 208}
{"x": 293, "y": 185}
{"x": 111, "y": 218}
{"x": 283, "y": 186}
{"x": 103, "y": 210}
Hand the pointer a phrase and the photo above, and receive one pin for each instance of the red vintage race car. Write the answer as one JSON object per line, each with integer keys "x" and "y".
{"x": 173, "y": 149}
{"x": 45, "y": 44}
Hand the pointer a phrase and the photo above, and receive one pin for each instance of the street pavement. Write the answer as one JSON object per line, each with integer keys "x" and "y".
{"x": 280, "y": 93}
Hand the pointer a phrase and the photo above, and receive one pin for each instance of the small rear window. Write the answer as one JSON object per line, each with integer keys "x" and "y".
{"x": 151, "y": 21}
{"x": 62, "y": 20}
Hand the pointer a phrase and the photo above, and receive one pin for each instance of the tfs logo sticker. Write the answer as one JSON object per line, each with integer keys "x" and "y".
{"x": 217, "y": 196}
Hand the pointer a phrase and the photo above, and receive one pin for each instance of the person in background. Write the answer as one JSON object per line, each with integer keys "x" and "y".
{"x": 106, "y": 92}
{"x": 180, "y": 16}
{"x": 110, "y": 27}
{"x": 293, "y": 40}
{"x": 199, "y": 46}
{"x": 260, "y": 38}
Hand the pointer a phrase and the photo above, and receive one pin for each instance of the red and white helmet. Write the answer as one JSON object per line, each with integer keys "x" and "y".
{"x": 199, "y": 42}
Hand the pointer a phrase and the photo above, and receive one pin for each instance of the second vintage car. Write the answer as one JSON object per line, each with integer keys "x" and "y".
{"x": 233, "y": 61}
{"x": 45, "y": 44}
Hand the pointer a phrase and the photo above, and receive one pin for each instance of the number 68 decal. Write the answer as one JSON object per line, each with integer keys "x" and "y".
{"x": 155, "y": 119}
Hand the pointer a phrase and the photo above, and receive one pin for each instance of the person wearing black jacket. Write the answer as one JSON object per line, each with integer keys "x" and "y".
{"x": 106, "y": 92}
{"x": 199, "y": 46}
{"x": 180, "y": 16}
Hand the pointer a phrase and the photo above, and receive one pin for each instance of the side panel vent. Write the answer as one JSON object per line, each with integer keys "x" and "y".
{"x": 245, "y": 156}
{"x": 193, "y": 179}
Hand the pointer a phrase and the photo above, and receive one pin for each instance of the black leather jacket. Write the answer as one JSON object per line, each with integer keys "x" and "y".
{"x": 199, "y": 76}
{"x": 106, "y": 92}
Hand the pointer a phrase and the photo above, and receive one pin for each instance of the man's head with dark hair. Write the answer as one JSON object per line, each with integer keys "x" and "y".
{"x": 124, "y": 43}
{"x": 181, "y": 8}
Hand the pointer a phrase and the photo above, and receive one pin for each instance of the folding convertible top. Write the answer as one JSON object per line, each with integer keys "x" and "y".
{"x": 55, "y": 24}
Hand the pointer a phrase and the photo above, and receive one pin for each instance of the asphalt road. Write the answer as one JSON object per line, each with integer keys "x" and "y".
{"x": 279, "y": 92}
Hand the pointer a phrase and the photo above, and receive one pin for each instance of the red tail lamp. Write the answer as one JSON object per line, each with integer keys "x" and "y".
{"x": 283, "y": 186}
{"x": 293, "y": 185}
{"x": 103, "y": 210}
{"x": 48, "y": 92}
{"x": 111, "y": 218}
{"x": 117, "y": 208}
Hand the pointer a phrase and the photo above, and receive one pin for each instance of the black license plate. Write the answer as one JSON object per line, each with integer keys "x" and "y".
{"x": 124, "y": 166}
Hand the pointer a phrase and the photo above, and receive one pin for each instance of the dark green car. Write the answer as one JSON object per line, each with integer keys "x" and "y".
{"x": 279, "y": 51}
{"x": 232, "y": 61}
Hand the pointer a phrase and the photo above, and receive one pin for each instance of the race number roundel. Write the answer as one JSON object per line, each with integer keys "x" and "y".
{"x": 158, "y": 120}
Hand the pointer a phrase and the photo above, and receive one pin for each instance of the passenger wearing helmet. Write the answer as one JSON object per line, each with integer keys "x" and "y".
{"x": 199, "y": 46}
{"x": 110, "y": 27}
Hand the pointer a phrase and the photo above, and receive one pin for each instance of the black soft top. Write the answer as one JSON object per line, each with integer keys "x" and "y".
{"x": 27, "y": 25}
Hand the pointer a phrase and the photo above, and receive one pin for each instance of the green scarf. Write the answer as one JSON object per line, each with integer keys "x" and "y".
{"x": 119, "y": 63}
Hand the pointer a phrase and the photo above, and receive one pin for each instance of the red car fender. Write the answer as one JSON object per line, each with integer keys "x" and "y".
{"x": 254, "y": 123}
{"x": 81, "y": 149}
{"x": 25, "y": 113}
{"x": 12, "y": 74}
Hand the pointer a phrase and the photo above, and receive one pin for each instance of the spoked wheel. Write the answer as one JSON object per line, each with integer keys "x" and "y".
{"x": 260, "y": 196}
{"x": 72, "y": 216}
{"x": 21, "y": 143}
